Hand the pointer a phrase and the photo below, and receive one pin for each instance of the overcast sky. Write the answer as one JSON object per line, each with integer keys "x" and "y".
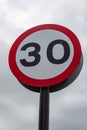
{"x": 19, "y": 107}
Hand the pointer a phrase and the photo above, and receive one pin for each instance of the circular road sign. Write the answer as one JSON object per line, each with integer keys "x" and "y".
{"x": 45, "y": 55}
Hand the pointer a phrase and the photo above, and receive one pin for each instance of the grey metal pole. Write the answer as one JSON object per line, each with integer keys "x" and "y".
{"x": 44, "y": 109}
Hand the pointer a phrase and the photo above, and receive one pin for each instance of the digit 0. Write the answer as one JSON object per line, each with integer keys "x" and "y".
{"x": 66, "y": 52}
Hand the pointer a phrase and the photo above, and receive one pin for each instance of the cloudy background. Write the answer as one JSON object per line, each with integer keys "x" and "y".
{"x": 19, "y": 107}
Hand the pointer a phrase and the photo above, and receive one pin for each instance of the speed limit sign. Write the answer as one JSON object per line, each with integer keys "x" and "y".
{"x": 45, "y": 55}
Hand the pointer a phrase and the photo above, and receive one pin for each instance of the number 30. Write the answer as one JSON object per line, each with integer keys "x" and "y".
{"x": 35, "y": 53}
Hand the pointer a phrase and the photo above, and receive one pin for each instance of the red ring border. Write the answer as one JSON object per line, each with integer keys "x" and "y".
{"x": 46, "y": 82}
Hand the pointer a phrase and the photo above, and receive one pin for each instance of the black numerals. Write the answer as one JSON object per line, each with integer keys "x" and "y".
{"x": 49, "y": 51}
{"x": 33, "y": 53}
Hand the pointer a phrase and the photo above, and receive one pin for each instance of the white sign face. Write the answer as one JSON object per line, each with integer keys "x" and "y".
{"x": 44, "y": 69}
{"x": 45, "y": 55}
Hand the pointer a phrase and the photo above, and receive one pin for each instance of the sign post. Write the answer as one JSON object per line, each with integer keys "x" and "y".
{"x": 42, "y": 57}
{"x": 44, "y": 109}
